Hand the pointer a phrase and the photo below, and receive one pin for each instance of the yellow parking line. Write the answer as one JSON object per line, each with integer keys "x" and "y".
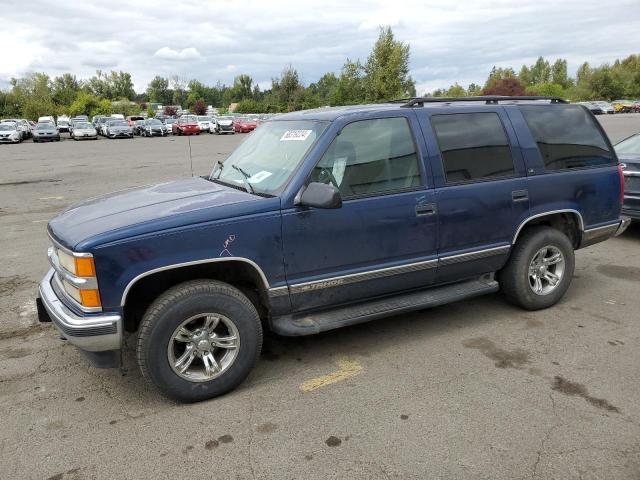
{"x": 348, "y": 368}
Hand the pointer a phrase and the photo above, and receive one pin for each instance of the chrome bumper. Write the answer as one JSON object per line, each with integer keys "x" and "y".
{"x": 93, "y": 333}
{"x": 624, "y": 223}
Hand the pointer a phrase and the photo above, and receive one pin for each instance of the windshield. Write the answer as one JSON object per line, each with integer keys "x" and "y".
{"x": 83, "y": 125}
{"x": 630, "y": 145}
{"x": 118, "y": 123}
{"x": 153, "y": 121}
{"x": 270, "y": 155}
{"x": 7, "y": 126}
{"x": 44, "y": 126}
{"x": 203, "y": 119}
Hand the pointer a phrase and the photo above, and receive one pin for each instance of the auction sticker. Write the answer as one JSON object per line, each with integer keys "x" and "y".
{"x": 295, "y": 135}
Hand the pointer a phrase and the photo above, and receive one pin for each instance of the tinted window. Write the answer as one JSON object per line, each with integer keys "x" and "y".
{"x": 473, "y": 146}
{"x": 369, "y": 157}
{"x": 567, "y": 136}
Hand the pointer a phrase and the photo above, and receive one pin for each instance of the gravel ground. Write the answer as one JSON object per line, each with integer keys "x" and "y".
{"x": 475, "y": 389}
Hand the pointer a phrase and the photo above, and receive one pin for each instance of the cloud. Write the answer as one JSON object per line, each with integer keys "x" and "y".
{"x": 168, "y": 53}
{"x": 450, "y": 41}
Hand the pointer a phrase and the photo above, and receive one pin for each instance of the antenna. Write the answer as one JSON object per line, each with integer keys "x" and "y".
{"x": 190, "y": 157}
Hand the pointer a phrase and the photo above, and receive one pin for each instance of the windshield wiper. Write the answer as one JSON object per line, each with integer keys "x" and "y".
{"x": 245, "y": 177}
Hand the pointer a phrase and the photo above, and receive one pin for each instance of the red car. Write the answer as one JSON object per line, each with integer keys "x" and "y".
{"x": 185, "y": 126}
{"x": 244, "y": 125}
{"x": 132, "y": 119}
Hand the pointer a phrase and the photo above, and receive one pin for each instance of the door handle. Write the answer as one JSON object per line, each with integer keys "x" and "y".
{"x": 520, "y": 195}
{"x": 426, "y": 209}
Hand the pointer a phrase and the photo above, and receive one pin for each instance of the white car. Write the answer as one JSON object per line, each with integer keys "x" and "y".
{"x": 224, "y": 125}
{"x": 204, "y": 123}
{"x": 84, "y": 131}
{"x": 21, "y": 125}
{"x": 9, "y": 133}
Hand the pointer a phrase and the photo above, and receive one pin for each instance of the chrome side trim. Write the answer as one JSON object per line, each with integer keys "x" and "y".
{"x": 627, "y": 173}
{"x": 362, "y": 276}
{"x": 467, "y": 257}
{"x": 544, "y": 214}
{"x": 278, "y": 291}
{"x": 624, "y": 223}
{"x": 188, "y": 264}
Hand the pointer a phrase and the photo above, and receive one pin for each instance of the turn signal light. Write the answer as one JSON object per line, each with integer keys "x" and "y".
{"x": 90, "y": 298}
{"x": 85, "y": 267}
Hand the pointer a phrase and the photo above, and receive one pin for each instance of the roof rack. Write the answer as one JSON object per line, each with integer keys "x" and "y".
{"x": 488, "y": 99}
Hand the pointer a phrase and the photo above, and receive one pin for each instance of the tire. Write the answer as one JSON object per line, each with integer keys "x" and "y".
{"x": 515, "y": 280}
{"x": 178, "y": 305}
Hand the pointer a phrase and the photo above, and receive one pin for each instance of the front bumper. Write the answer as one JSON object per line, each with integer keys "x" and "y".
{"x": 90, "y": 332}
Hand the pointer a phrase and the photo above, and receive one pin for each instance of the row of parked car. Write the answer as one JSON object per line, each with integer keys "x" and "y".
{"x": 601, "y": 107}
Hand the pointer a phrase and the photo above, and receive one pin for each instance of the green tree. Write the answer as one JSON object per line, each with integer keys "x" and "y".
{"x": 324, "y": 87}
{"x": 474, "y": 90}
{"x": 90, "y": 105}
{"x": 540, "y": 72}
{"x": 456, "y": 91}
{"x": 288, "y": 90}
{"x": 349, "y": 89}
{"x": 548, "y": 89}
{"x": 65, "y": 89}
{"x": 158, "y": 90}
{"x": 559, "y": 74}
{"x": 525, "y": 76}
{"x": 387, "y": 69}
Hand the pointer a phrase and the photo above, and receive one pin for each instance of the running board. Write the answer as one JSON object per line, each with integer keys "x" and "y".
{"x": 311, "y": 323}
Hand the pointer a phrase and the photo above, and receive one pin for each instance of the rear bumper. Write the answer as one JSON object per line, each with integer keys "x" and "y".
{"x": 90, "y": 332}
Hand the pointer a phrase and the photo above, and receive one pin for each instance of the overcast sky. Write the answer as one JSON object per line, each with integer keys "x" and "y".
{"x": 217, "y": 40}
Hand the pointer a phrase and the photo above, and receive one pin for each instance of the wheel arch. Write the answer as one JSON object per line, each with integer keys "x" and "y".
{"x": 569, "y": 221}
{"x": 239, "y": 272}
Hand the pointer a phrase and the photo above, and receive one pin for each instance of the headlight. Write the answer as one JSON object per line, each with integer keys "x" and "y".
{"x": 78, "y": 266}
{"x": 82, "y": 272}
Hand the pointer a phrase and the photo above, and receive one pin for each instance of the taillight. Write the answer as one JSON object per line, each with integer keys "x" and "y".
{"x": 621, "y": 178}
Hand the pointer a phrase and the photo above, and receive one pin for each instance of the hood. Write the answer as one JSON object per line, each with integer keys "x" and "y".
{"x": 630, "y": 159}
{"x": 150, "y": 209}
{"x": 226, "y": 123}
{"x": 45, "y": 130}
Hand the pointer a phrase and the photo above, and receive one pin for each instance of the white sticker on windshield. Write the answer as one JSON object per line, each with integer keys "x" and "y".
{"x": 258, "y": 177}
{"x": 339, "y": 166}
{"x": 295, "y": 135}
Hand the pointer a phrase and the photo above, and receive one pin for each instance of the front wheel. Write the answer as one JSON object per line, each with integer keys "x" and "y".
{"x": 540, "y": 269}
{"x": 198, "y": 340}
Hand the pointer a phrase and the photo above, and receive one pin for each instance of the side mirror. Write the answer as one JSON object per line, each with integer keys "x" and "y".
{"x": 319, "y": 195}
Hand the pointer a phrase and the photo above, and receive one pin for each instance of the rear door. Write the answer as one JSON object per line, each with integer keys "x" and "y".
{"x": 481, "y": 189}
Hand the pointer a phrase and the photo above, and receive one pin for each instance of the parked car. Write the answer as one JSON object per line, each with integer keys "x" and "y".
{"x": 118, "y": 129}
{"x": 84, "y": 131}
{"x": 46, "y": 118}
{"x": 95, "y": 121}
{"x": 606, "y": 107}
{"x": 102, "y": 125}
{"x": 185, "y": 126}
{"x": 628, "y": 151}
{"x": 153, "y": 127}
{"x": 327, "y": 218}
{"x": 169, "y": 124}
{"x": 244, "y": 125}
{"x": 138, "y": 126}
{"x": 63, "y": 125}
{"x": 224, "y": 124}
{"x": 623, "y": 106}
{"x": 132, "y": 119}
{"x": 22, "y": 126}
{"x": 592, "y": 107}
{"x": 10, "y": 133}
{"x": 204, "y": 123}
{"x": 46, "y": 132}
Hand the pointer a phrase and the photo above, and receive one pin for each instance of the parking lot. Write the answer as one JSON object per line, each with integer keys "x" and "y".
{"x": 475, "y": 389}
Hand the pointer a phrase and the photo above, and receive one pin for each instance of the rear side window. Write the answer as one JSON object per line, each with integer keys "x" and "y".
{"x": 474, "y": 146}
{"x": 567, "y": 137}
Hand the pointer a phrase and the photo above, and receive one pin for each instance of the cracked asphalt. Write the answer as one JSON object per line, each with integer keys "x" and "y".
{"x": 476, "y": 389}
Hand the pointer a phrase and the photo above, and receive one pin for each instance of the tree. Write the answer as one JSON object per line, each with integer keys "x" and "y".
{"x": 242, "y": 87}
{"x": 387, "y": 69}
{"x": 474, "y": 90}
{"x": 525, "y": 76}
{"x": 559, "y": 74}
{"x": 505, "y": 86}
{"x": 170, "y": 111}
{"x": 548, "y": 89}
{"x": 604, "y": 84}
{"x": 349, "y": 89}
{"x": 498, "y": 74}
{"x": 324, "y": 87}
{"x": 179, "y": 93}
{"x": 456, "y": 91}
{"x": 90, "y": 105}
{"x": 287, "y": 89}
{"x": 199, "y": 107}
{"x": 540, "y": 72}
{"x": 158, "y": 90}
{"x": 65, "y": 89}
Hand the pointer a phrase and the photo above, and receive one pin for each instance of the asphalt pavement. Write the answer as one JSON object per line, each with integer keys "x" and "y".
{"x": 477, "y": 389}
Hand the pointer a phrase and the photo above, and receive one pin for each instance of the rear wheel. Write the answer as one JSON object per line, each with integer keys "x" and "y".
{"x": 540, "y": 269}
{"x": 198, "y": 340}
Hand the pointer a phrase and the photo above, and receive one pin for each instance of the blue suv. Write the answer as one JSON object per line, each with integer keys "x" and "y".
{"x": 332, "y": 217}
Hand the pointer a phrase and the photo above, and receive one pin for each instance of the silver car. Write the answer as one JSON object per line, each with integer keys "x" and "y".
{"x": 84, "y": 131}
{"x": 46, "y": 132}
{"x": 9, "y": 133}
{"x": 118, "y": 129}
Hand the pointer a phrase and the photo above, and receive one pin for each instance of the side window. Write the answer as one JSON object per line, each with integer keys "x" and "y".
{"x": 370, "y": 157}
{"x": 473, "y": 146}
{"x": 567, "y": 136}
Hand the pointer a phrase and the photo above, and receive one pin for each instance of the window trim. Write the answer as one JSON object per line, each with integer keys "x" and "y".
{"x": 421, "y": 170}
{"x": 597, "y": 126}
{"x": 447, "y": 183}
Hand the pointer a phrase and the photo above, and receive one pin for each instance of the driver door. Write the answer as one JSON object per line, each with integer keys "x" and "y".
{"x": 383, "y": 238}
